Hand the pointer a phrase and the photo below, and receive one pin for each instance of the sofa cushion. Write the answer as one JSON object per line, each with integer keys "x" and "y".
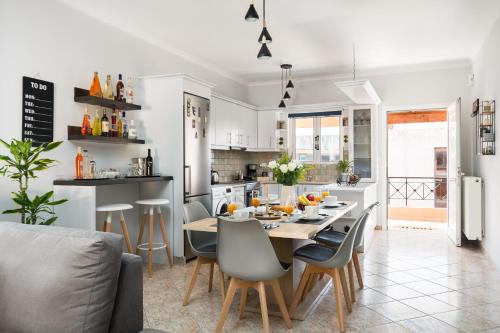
{"x": 55, "y": 279}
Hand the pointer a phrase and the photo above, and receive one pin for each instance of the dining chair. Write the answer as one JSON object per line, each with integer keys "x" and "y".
{"x": 203, "y": 245}
{"x": 246, "y": 254}
{"x": 334, "y": 238}
{"x": 321, "y": 259}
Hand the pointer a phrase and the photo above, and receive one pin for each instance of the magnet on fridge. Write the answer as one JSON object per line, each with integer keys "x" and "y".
{"x": 208, "y": 107}
{"x": 204, "y": 132}
{"x": 196, "y": 135}
{"x": 188, "y": 107}
{"x": 193, "y": 123}
{"x": 194, "y": 111}
{"x": 199, "y": 112}
{"x": 206, "y": 119}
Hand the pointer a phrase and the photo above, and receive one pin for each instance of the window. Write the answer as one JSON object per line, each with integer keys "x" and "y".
{"x": 317, "y": 138}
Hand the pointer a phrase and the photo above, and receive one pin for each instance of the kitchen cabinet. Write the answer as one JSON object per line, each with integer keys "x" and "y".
{"x": 272, "y": 130}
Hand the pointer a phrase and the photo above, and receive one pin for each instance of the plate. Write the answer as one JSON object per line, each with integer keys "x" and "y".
{"x": 312, "y": 218}
{"x": 337, "y": 205}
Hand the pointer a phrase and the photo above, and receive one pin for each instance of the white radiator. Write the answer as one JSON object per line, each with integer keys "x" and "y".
{"x": 472, "y": 207}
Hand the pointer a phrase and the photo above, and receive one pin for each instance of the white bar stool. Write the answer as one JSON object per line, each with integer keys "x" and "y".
{"x": 109, "y": 209}
{"x": 150, "y": 246}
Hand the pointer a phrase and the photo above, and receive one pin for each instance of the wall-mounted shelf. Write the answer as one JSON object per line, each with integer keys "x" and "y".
{"x": 74, "y": 134}
{"x": 485, "y": 127}
{"x": 82, "y": 96}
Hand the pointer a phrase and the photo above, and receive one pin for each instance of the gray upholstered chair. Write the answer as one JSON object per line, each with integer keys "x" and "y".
{"x": 58, "y": 280}
{"x": 334, "y": 238}
{"x": 203, "y": 245}
{"x": 322, "y": 259}
{"x": 246, "y": 254}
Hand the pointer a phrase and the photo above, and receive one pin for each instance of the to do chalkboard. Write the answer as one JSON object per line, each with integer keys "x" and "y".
{"x": 38, "y": 111}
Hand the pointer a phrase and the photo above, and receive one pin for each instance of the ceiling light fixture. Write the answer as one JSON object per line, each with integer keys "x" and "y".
{"x": 264, "y": 52}
{"x": 265, "y": 36}
{"x": 251, "y": 15}
{"x": 284, "y": 68}
{"x": 290, "y": 83}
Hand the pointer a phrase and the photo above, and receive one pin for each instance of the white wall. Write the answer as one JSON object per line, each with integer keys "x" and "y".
{"x": 487, "y": 86}
{"x": 65, "y": 47}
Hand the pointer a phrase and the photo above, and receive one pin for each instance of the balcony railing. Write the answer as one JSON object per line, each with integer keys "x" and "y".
{"x": 417, "y": 188}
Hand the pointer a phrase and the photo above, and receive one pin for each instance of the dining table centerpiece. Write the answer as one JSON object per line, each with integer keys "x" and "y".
{"x": 288, "y": 172}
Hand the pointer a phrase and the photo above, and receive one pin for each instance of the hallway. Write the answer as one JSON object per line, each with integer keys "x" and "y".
{"x": 415, "y": 281}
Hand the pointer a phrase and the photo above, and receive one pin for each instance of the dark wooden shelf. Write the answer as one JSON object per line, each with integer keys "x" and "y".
{"x": 111, "y": 181}
{"x": 82, "y": 96}
{"x": 74, "y": 134}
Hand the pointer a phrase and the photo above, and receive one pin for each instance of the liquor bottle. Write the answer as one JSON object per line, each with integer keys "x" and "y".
{"x": 104, "y": 125}
{"x": 132, "y": 132}
{"x": 129, "y": 92}
{"x": 149, "y": 164}
{"x": 119, "y": 126}
{"x": 96, "y": 131}
{"x": 124, "y": 126}
{"x": 120, "y": 89}
{"x": 86, "y": 127}
{"x": 95, "y": 87}
{"x": 108, "y": 88}
{"x": 79, "y": 163}
{"x": 85, "y": 164}
{"x": 114, "y": 130}
{"x": 92, "y": 168}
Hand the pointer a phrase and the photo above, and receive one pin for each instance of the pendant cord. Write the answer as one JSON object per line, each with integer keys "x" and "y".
{"x": 281, "y": 82}
{"x": 353, "y": 62}
{"x": 264, "y": 12}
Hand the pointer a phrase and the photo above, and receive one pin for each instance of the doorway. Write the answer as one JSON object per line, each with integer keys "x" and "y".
{"x": 417, "y": 168}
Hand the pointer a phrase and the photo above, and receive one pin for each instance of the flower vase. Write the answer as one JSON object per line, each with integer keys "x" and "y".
{"x": 288, "y": 195}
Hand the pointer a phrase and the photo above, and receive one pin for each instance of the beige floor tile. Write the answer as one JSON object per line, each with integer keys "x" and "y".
{"x": 396, "y": 311}
{"x": 398, "y": 292}
{"x": 428, "y": 325}
{"x": 426, "y": 273}
{"x": 488, "y": 311}
{"x": 373, "y": 281}
{"x": 401, "y": 277}
{"x": 369, "y": 296}
{"x": 465, "y": 321}
{"x": 458, "y": 299}
{"x": 484, "y": 293}
{"x": 378, "y": 268}
{"x": 401, "y": 265}
{"x": 428, "y": 305}
{"x": 387, "y": 328}
{"x": 426, "y": 287}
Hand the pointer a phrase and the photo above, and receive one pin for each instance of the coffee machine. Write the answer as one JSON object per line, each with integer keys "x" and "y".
{"x": 252, "y": 171}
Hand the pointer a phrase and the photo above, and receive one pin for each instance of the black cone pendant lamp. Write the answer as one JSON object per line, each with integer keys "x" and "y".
{"x": 282, "y": 104}
{"x": 285, "y": 68}
{"x": 264, "y": 52}
{"x": 251, "y": 14}
{"x": 290, "y": 85}
{"x": 286, "y": 95}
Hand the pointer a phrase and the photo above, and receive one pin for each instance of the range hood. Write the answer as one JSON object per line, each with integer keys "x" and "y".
{"x": 359, "y": 91}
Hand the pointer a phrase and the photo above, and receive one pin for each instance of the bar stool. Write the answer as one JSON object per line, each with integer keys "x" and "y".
{"x": 150, "y": 246}
{"x": 109, "y": 209}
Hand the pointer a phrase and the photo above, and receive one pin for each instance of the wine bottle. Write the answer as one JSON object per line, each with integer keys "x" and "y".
{"x": 129, "y": 92}
{"x": 108, "y": 88}
{"x": 119, "y": 126}
{"x": 79, "y": 163}
{"x": 104, "y": 125}
{"x": 124, "y": 126}
{"x": 96, "y": 131}
{"x": 149, "y": 164}
{"x": 95, "y": 87}
{"x": 120, "y": 89}
{"x": 114, "y": 130}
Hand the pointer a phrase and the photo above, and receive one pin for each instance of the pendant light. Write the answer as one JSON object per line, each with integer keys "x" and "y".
{"x": 284, "y": 93}
{"x": 251, "y": 15}
{"x": 282, "y": 103}
{"x": 265, "y": 36}
{"x": 290, "y": 83}
{"x": 264, "y": 52}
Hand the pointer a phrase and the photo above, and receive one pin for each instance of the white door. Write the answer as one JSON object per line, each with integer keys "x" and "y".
{"x": 454, "y": 174}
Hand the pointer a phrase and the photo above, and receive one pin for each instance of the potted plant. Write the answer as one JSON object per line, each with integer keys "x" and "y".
{"x": 22, "y": 165}
{"x": 344, "y": 168}
{"x": 288, "y": 172}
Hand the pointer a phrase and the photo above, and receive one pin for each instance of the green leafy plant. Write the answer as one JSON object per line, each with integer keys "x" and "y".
{"x": 287, "y": 171}
{"x": 344, "y": 166}
{"x": 21, "y": 166}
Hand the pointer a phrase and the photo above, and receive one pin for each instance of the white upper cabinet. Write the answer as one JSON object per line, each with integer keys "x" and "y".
{"x": 267, "y": 130}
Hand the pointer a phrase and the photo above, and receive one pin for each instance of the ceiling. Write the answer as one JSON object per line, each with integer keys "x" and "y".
{"x": 317, "y": 36}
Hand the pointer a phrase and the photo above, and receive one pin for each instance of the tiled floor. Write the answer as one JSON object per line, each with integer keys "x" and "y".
{"x": 416, "y": 281}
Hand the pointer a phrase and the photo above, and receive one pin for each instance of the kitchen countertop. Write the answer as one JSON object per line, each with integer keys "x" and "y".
{"x": 360, "y": 187}
{"x": 110, "y": 181}
{"x": 234, "y": 183}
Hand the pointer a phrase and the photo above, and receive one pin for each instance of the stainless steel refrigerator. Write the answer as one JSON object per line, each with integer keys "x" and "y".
{"x": 197, "y": 150}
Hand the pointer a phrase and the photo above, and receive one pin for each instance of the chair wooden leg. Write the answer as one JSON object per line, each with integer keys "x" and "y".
{"x": 227, "y": 304}
{"x": 192, "y": 281}
{"x": 300, "y": 290}
{"x": 163, "y": 229}
{"x": 107, "y": 224}
{"x": 278, "y": 295}
{"x": 125, "y": 232}
{"x": 351, "y": 281}
{"x": 263, "y": 306}
{"x": 345, "y": 290}
{"x": 104, "y": 226}
{"x": 141, "y": 232}
{"x": 150, "y": 243}
{"x": 321, "y": 276}
{"x": 222, "y": 284}
{"x": 336, "y": 290}
{"x": 243, "y": 301}
{"x": 211, "y": 277}
{"x": 355, "y": 260}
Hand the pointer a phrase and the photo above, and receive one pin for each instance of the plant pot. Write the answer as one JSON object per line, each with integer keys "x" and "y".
{"x": 288, "y": 195}
{"x": 344, "y": 177}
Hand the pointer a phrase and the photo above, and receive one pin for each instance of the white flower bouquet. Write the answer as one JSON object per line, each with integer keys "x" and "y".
{"x": 287, "y": 171}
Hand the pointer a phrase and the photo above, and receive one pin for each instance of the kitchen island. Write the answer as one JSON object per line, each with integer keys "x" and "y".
{"x": 86, "y": 194}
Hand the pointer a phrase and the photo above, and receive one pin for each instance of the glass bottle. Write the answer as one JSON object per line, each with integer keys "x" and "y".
{"x": 108, "y": 88}
{"x": 132, "y": 132}
{"x": 129, "y": 92}
{"x": 149, "y": 164}
{"x": 114, "y": 130}
{"x": 120, "y": 89}
{"x": 86, "y": 127}
{"x": 79, "y": 163}
{"x": 119, "y": 126}
{"x": 85, "y": 164}
{"x": 124, "y": 126}
{"x": 104, "y": 124}
{"x": 96, "y": 131}
{"x": 95, "y": 87}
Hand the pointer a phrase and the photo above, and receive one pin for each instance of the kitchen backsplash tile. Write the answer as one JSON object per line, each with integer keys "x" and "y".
{"x": 228, "y": 162}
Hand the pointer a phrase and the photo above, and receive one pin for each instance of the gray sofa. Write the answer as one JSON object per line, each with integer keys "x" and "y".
{"x": 55, "y": 279}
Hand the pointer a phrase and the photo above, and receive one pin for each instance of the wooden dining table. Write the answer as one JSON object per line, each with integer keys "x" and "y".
{"x": 286, "y": 238}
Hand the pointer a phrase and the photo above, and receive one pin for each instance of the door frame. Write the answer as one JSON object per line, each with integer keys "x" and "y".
{"x": 383, "y": 153}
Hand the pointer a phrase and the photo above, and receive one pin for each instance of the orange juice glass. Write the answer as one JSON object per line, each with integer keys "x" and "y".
{"x": 325, "y": 194}
{"x": 288, "y": 209}
{"x": 317, "y": 198}
{"x": 255, "y": 202}
{"x": 231, "y": 208}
